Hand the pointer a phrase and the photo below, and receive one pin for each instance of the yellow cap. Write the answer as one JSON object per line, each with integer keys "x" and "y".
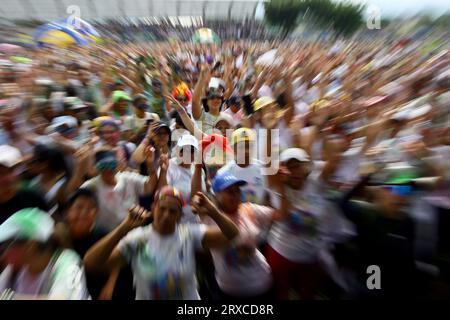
{"x": 262, "y": 102}
{"x": 242, "y": 134}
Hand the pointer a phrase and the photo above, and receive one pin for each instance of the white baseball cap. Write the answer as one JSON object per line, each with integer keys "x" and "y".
{"x": 187, "y": 140}
{"x": 294, "y": 153}
{"x": 9, "y": 156}
{"x": 225, "y": 117}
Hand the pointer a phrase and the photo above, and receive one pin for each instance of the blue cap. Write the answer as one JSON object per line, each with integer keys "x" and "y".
{"x": 225, "y": 180}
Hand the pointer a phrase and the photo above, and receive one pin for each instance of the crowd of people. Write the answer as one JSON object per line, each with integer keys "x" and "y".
{"x": 141, "y": 31}
{"x": 250, "y": 169}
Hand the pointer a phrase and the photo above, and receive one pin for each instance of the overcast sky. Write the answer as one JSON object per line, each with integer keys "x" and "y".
{"x": 393, "y": 8}
{"x": 409, "y": 7}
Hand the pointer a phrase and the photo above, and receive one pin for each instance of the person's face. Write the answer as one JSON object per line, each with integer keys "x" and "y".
{"x": 110, "y": 135}
{"x": 187, "y": 154}
{"x": 167, "y": 214}
{"x": 8, "y": 180}
{"x": 242, "y": 152}
{"x": 183, "y": 100}
{"x": 299, "y": 171}
{"x": 81, "y": 216}
{"x": 390, "y": 202}
{"x": 223, "y": 126}
{"x": 122, "y": 106}
{"x": 108, "y": 176}
{"x": 230, "y": 199}
{"x": 235, "y": 107}
{"x": 84, "y": 76}
{"x": 161, "y": 138}
{"x": 214, "y": 103}
{"x": 7, "y": 118}
{"x": 157, "y": 88}
{"x": 13, "y": 254}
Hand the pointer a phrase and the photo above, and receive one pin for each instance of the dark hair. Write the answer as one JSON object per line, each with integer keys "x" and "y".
{"x": 178, "y": 120}
{"x": 82, "y": 192}
{"x": 54, "y": 156}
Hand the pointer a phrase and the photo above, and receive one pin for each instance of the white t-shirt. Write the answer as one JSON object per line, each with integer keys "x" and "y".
{"x": 206, "y": 122}
{"x": 311, "y": 225}
{"x": 241, "y": 270}
{"x": 348, "y": 170}
{"x": 181, "y": 179}
{"x": 256, "y": 182}
{"x": 62, "y": 279}
{"x": 164, "y": 266}
{"x": 114, "y": 202}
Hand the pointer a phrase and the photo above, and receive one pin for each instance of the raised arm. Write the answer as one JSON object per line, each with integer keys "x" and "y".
{"x": 205, "y": 75}
{"x": 214, "y": 237}
{"x": 104, "y": 256}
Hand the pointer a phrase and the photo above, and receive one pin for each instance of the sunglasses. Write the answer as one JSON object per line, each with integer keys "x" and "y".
{"x": 107, "y": 165}
{"x": 182, "y": 99}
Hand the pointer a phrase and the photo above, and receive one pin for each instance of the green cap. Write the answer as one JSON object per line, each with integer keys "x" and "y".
{"x": 28, "y": 224}
{"x": 120, "y": 95}
{"x": 400, "y": 174}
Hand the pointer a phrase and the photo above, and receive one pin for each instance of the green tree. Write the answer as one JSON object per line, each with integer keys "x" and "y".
{"x": 283, "y": 14}
{"x": 343, "y": 18}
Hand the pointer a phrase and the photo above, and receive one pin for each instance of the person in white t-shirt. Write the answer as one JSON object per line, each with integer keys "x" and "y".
{"x": 162, "y": 255}
{"x": 206, "y": 111}
{"x": 297, "y": 243}
{"x": 241, "y": 269}
{"x": 245, "y": 167}
{"x": 180, "y": 171}
{"x": 118, "y": 191}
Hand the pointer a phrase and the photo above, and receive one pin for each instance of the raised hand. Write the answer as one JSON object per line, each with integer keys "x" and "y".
{"x": 202, "y": 205}
{"x": 137, "y": 216}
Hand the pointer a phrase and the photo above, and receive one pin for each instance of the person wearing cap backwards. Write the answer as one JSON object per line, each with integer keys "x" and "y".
{"x": 296, "y": 244}
{"x": 180, "y": 171}
{"x": 139, "y": 122}
{"x": 162, "y": 254}
{"x": 12, "y": 197}
{"x": 242, "y": 272}
{"x": 245, "y": 167}
{"x": 37, "y": 267}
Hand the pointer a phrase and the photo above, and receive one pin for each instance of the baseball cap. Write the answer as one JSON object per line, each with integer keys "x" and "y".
{"x": 138, "y": 97}
{"x": 28, "y": 224}
{"x": 242, "y": 134}
{"x": 9, "y": 156}
{"x": 69, "y": 121}
{"x": 163, "y": 126}
{"x": 120, "y": 95}
{"x": 225, "y": 180}
{"x": 73, "y": 103}
{"x": 187, "y": 140}
{"x": 225, "y": 117}
{"x": 213, "y": 93}
{"x": 262, "y": 102}
{"x": 294, "y": 153}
